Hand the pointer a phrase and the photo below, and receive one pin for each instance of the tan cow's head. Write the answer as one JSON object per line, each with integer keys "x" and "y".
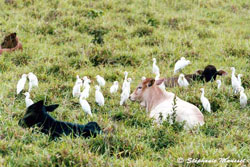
{"x": 145, "y": 88}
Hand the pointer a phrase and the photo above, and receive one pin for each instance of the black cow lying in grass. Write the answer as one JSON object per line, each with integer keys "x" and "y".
{"x": 208, "y": 74}
{"x": 36, "y": 114}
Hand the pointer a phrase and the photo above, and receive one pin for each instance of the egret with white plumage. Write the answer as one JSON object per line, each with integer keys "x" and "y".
{"x": 124, "y": 97}
{"x": 99, "y": 98}
{"x": 33, "y": 81}
{"x": 21, "y": 83}
{"x": 155, "y": 69}
{"x": 218, "y": 84}
{"x": 234, "y": 81}
{"x": 77, "y": 88}
{"x": 180, "y": 64}
{"x": 85, "y": 105}
{"x": 182, "y": 81}
{"x": 125, "y": 80}
{"x": 100, "y": 81}
{"x": 243, "y": 98}
{"x": 28, "y": 101}
{"x": 239, "y": 78}
{"x": 114, "y": 87}
{"x": 204, "y": 101}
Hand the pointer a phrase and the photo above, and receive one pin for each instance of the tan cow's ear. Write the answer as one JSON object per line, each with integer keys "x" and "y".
{"x": 150, "y": 82}
{"x": 159, "y": 81}
{"x": 221, "y": 72}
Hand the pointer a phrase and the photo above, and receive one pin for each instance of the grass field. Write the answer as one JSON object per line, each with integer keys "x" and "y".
{"x": 64, "y": 38}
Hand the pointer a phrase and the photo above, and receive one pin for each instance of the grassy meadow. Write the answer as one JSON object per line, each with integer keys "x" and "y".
{"x": 64, "y": 38}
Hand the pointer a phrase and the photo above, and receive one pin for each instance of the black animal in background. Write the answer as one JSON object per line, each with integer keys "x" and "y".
{"x": 209, "y": 74}
{"x": 36, "y": 114}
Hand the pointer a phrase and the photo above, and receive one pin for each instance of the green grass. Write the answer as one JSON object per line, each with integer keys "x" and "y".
{"x": 64, "y": 38}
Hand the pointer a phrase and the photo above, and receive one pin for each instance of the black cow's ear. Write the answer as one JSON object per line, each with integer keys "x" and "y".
{"x": 36, "y": 106}
{"x": 39, "y": 103}
{"x": 221, "y": 72}
{"x": 51, "y": 107}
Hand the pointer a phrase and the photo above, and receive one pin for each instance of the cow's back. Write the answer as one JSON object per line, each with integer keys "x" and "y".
{"x": 185, "y": 111}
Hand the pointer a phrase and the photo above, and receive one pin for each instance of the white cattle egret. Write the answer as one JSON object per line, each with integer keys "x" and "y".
{"x": 85, "y": 105}
{"x": 182, "y": 81}
{"x": 239, "y": 78}
{"x": 127, "y": 85}
{"x": 125, "y": 91}
{"x": 85, "y": 92}
{"x": 100, "y": 80}
{"x": 77, "y": 88}
{"x": 125, "y": 75}
{"x": 204, "y": 101}
{"x": 243, "y": 98}
{"x": 157, "y": 76}
{"x": 234, "y": 81}
{"x": 219, "y": 83}
{"x": 21, "y": 83}
{"x": 33, "y": 81}
{"x": 156, "y": 69}
{"x": 124, "y": 97}
{"x": 28, "y": 101}
{"x": 114, "y": 87}
{"x": 86, "y": 81}
{"x": 99, "y": 99}
{"x": 180, "y": 64}
{"x": 78, "y": 79}
{"x": 125, "y": 80}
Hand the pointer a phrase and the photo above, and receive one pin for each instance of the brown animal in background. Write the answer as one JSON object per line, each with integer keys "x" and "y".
{"x": 173, "y": 81}
{"x": 10, "y": 43}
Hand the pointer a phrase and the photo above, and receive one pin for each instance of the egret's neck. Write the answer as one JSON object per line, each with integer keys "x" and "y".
{"x": 233, "y": 71}
{"x": 202, "y": 93}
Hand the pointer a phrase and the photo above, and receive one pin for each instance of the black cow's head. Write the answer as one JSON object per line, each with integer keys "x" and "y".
{"x": 36, "y": 113}
{"x": 210, "y": 72}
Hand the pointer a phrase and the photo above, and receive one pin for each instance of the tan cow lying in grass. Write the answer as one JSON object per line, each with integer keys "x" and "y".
{"x": 159, "y": 104}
